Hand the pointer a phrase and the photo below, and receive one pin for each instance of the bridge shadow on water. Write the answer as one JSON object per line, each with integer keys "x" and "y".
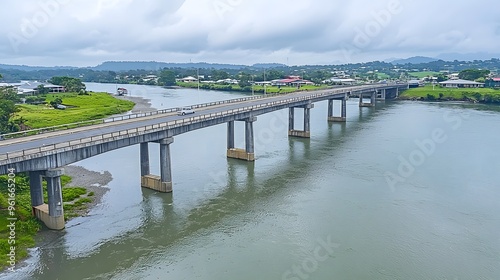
{"x": 164, "y": 226}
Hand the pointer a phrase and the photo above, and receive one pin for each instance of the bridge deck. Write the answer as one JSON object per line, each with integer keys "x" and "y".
{"x": 51, "y": 143}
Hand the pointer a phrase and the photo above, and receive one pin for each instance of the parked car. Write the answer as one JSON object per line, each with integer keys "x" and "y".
{"x": 185, "y": 111}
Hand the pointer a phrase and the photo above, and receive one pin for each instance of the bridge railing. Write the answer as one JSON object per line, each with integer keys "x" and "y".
{"x": 89, "y": 141}
{"x": 120, "y": 118}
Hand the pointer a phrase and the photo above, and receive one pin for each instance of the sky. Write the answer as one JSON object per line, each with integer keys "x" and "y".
{"x": 89, "y": 32}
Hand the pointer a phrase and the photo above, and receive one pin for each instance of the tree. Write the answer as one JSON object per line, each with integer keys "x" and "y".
{"x": 42, "y": 89}
{"x": 219, "y": 75}
{"x": 473, "y": 74}
{"x": 167, "y": 78}
{"x": 244, "y": 80}
{"x": 7, "y": 110}
{"x": 69, "y": 83}
{"x": 56, "y": 102}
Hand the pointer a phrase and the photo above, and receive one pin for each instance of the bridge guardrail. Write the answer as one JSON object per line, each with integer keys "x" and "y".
{"x": 119, "y": 118}
{"x": 152, "y": 128}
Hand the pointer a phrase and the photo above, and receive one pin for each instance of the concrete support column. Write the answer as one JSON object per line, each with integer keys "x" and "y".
{"x": 291, "y": 118}
{"x": 52, "y": 214}
{"x": 36, "y": 189}
{"x": 145, "y": 159}
{"x": 330, "y": 108}
{"x": 162, "y": 183}
{"x": 165, "y": 165}
{"x": 307, "y": 118}
{"x": 230, "y": 135}
{"x": 343, "y": 111}
{"x": 248, "y": 153}
{"x": 54, "y": 190}
{"x": 306, "y": 133}
{"x": 249, "y": 142}
{"x": 373, "y": 95}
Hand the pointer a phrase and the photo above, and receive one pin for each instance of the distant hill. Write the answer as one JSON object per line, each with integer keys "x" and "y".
{"x": 154, "y": 65}
{"x": 467, "y": 56}
{"x": 414, "y": 60}
{"x": 268, "y": 65}
{"x": 33, "y": 68}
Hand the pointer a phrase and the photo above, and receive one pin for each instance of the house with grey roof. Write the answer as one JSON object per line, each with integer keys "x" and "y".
{"x": 461, "y": 84}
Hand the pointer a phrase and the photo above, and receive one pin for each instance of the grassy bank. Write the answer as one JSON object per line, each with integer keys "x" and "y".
{"x": 483, "y": 95}
{"x": 26, "y": 226}
{"x": 421, "y": 75}
{"x": 256, "y": 89}
{"x": 79, "y": 108}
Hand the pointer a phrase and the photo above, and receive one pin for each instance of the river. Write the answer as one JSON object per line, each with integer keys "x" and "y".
{"x": 406, "y": 190}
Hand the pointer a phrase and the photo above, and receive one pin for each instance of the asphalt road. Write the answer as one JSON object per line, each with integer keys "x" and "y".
{"x": 56, "y": 137}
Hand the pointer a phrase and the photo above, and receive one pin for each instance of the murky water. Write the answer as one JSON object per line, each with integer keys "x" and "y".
{"x": 403, "y": 191}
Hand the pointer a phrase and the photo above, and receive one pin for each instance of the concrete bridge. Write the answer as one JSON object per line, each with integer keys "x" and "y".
{"x": 45, "y": 153}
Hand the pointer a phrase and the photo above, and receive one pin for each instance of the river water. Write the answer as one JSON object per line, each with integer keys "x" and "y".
{"x": 406, "y": 190}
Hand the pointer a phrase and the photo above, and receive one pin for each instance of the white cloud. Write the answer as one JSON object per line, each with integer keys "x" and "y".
{"x": 241, "y": 31}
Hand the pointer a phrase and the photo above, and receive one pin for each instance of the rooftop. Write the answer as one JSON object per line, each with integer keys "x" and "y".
{"x": 461, "y": 82}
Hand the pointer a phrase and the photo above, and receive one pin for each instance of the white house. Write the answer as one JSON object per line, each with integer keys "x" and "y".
{"x": 189, "y": 79}
{"x": 461, "y": 84}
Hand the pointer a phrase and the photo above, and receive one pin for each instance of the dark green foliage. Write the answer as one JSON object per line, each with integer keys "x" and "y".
{"x": 57, "y": 101}
{"x": 69, "y": 83}
{"x": 473, "y": 74}
{"x": 167, "y": 78}
{"x": 70, "y": 194}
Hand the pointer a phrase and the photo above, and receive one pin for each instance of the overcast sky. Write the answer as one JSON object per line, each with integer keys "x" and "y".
{"x": 88, "y": 32}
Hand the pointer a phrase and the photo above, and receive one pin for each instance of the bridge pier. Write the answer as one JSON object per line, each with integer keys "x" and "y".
{"x": 372, "y": 100}
{"x": 51, "y": 214}
{"x": 248, "y": 153}
{"x": 382, "y": 95}
{"x": 343, "y": 110}
{"x": 145, "y": 159}
{"x": 36, "y": 188}
{"x": 306, "y": 133}
{"x": 162, "y": 183}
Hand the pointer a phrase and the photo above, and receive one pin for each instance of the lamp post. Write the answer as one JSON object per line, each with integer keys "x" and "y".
{"x": 264, "y": 82}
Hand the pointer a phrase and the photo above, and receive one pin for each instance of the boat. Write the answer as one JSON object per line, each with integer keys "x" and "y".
{"x": 121, "y": 91}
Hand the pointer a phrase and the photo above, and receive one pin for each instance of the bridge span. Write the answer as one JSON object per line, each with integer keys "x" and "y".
{"x": 44, "y": 154}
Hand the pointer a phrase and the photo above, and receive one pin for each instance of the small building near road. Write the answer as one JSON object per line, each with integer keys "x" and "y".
{"x": 461, "y": 84}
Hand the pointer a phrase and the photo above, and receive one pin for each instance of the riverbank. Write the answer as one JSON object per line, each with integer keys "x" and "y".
{"x": 436, "y": 93}
{"x": 94, "y": 183}
{"x": 80, "y": 108}
{"x": 255, "y": 89}
{"x": 142, "y": 105}
{"x": 82, "y": 190}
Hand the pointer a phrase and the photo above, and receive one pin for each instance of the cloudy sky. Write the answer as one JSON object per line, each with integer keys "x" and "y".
{"x": 88, "y": 32}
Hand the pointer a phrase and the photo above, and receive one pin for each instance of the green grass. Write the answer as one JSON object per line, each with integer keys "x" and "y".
{"x": 26, "y": 225}
{"x": 383, "y": 76}
{"x": 70, "y": 194}
{"x": 485, "y": 95}
{"x": 83, "y": 108}
{"x": 424, "y": 74}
